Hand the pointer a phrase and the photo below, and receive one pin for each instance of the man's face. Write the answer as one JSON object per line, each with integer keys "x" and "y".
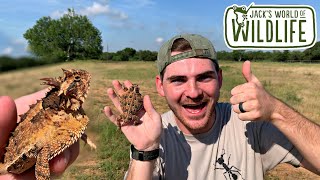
{"x": 191, "y": 88}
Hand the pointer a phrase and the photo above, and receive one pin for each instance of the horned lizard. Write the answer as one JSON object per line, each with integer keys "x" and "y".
{"x": 50, "y": 126}
{"x": 131, "y": 102}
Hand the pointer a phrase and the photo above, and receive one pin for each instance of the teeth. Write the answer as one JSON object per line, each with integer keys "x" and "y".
{"x": 193, "y": 111}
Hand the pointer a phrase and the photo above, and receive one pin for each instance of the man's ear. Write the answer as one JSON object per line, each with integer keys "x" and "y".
{"x": 159, "y": 85}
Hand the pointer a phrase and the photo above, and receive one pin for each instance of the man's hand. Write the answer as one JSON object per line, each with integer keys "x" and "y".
{"x": 257, "y": 102}
{"x": 260, "y": 105}
{"x": 145, "y": 136}
{"x": 8, "y": 120}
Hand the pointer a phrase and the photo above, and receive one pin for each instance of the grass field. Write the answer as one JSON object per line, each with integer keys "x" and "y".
{"x": 296, "y": 84}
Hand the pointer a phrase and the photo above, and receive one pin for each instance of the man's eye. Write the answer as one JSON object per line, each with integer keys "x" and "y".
{"x": 205, "y": 78}
{"x": 177, "y": 81}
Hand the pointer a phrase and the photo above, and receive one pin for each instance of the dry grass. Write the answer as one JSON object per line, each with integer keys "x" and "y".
{"x": 296, "y": 84}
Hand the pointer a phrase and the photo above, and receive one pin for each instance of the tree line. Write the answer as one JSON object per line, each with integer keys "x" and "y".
{"x": 311, "y": 55}
{"x": 127, "y": 54}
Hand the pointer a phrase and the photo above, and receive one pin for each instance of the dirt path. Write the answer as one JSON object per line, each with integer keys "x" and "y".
{"x": 287, "y": 172}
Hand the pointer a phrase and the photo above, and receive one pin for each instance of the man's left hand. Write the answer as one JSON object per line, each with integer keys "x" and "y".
{"x": 257, "y": 103}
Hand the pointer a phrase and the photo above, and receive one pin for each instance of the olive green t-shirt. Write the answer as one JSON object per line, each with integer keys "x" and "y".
{"x": 232, "y": 149}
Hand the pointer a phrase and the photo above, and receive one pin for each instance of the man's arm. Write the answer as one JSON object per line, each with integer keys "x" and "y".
{"x": 301, "y": 132}
{"x": 144, "y": 136}
{"x": 260, "y": 105}
{"x": 140, "y": 169}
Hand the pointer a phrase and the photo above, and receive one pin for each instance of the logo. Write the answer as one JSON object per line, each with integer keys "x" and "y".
{"x": 270, "y": 27}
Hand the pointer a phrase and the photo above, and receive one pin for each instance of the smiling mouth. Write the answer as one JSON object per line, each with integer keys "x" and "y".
{"x": 194, "y": 108}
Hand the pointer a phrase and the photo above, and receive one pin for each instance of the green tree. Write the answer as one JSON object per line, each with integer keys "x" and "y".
{"x": 238, "y": 55}
{"x": 280, "y": 56}
{"x": 120, "y": 56}
{"x": 107, "y": 56}
{"x": 129, "y": 52}
{"x": 224, "y": 55}
{"x": 72, "y": 36}
{"x": 313, "y": 53}
{"x": 146, "y": 55}
{"x": 296, "y": 56}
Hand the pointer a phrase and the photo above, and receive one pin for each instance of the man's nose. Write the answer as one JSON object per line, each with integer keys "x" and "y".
{"x": 193, "y": 90}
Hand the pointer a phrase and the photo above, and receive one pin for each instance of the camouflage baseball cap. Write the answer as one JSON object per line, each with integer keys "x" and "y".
{"x": 201, "y": 47}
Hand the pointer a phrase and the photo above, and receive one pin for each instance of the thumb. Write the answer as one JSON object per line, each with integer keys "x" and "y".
{"x": 8, "y": 119}
{"x": 152, "y": 113}
{"x": 247, "y": 73}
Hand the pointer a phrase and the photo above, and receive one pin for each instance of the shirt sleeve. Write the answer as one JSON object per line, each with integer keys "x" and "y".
{"x": 158, "y": 170}
{"x": 273, "y": 146}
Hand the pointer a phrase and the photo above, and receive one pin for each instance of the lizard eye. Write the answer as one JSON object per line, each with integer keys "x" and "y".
{"x": 77, "y": 78}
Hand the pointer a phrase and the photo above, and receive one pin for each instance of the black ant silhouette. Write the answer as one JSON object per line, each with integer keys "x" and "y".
{"x": 231, "y": 171}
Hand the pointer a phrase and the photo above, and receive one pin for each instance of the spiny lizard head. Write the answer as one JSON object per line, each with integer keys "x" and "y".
{"x": 75, "y": 84}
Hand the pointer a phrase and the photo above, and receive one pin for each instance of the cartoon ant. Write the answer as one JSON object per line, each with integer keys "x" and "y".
{"x": 231, "y": 171}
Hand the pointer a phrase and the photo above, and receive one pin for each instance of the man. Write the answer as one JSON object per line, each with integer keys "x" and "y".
{"x": 8, "y": 119}
{"x": 203, "y": 139}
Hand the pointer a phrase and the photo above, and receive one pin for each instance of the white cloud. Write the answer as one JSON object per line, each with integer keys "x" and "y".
{"x": 7, "y": 51}
{"x": 99, "y": 9}
{"x": 95, "y": 10}
{"x": 159, "y": 40}
{"x": 57, "y": 14}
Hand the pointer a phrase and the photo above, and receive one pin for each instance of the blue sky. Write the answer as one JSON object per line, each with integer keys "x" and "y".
{"x": 140, "y": 24}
